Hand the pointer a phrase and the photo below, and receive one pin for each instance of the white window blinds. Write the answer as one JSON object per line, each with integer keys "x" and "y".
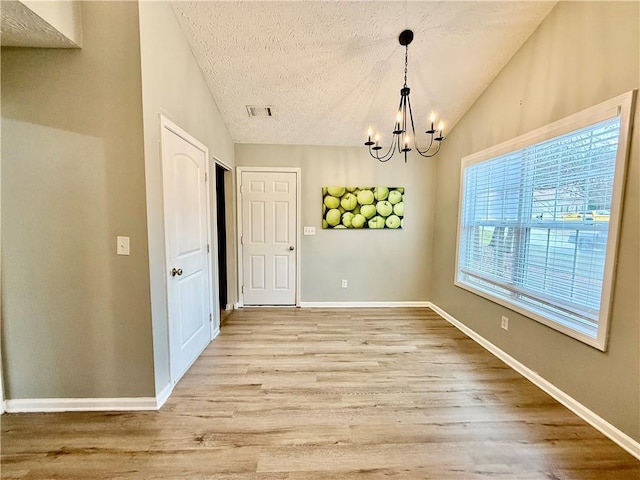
{"x": 534, "y": 225}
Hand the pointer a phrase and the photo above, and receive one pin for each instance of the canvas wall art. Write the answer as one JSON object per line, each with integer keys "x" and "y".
{"x": 362, "y": 207}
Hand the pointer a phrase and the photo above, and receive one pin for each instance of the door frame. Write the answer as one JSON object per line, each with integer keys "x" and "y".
{"x": 239, "y": 219}
{"x": 214, "y": 255}
{"x": 165, "y": 123}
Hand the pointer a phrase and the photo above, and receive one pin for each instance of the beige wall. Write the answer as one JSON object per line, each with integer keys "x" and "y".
{"x": 380, "y": 266}
{"x": 582, "y": 54}
{"x": 172, "y": 85}
{"x": 76, "y": 317}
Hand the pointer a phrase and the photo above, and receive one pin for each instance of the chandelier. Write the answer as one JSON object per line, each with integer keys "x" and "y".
{"x": 401, "y": 136}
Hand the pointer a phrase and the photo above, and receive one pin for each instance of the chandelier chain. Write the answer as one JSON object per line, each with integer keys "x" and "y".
{"x": 406, "y": 63}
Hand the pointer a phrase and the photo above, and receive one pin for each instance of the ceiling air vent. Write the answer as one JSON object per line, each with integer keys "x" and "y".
{"x": 255, "y": 111}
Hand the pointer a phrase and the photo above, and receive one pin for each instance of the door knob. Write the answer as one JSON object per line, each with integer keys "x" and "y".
{"x": 292, "y": 248}
{"x": 176, "y": 271}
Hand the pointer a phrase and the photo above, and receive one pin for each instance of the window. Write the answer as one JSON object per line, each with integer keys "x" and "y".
{"x": 538, "y": 220}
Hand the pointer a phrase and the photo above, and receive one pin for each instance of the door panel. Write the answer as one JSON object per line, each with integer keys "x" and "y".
{"x": 257, "y": 276}
{"x": 281, "y": 272}
{"x": 269, "y": 256}
{"x": 257, "y": 225}
{"x": 186, "y": 222}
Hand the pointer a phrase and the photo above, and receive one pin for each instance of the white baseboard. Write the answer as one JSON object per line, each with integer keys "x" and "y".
{"x": 593, "y": 419}
{"x": 32, "y": 405}
{"x": 228, "y": 306}
{"x": 363, "y": 304}
{"x": 164, "y": 395}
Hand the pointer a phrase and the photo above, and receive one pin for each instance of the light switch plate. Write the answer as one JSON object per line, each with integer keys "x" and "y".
{"x": 122, "y": 245}
{"x": 309, "y": 230}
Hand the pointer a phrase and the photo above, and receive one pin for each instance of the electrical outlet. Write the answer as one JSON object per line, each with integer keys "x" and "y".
{"x": 345, "y": 284}
{"x": 504, "y": 323}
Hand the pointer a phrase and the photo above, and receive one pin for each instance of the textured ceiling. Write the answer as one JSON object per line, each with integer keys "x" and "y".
{"x": 331, "y": 69}
{"x": 21, "y": 27}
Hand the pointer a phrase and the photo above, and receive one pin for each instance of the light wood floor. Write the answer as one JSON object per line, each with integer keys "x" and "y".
{"x": 305, "y": 394}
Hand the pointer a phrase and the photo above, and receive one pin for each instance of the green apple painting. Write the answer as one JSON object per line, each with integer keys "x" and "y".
{"x": 353, "y": 208}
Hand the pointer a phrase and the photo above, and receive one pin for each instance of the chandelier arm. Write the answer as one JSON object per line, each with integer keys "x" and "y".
{"x": 396, "y": 139}
{"x": 389, "y": 155}
{"x": 386, "y": 156}
{"x": 406, "y": 100}
{"x": 398, "y": 126}
{"x": 413, "y": 128}
{"x": 422, "y": 152}
{"x": 426, "y": 153}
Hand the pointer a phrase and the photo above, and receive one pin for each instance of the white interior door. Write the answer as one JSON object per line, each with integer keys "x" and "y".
{"x": 268, "y": 237}
{"x": 184, "y": 165}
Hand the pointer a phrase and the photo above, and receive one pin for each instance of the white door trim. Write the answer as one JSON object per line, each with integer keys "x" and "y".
{"x": 165, "y": 123}
{"x": 221, "y": 163}
{"x": 298, "y": 173}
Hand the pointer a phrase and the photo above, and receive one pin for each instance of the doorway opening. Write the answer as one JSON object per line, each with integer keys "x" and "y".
{"x": 222, "y": 239}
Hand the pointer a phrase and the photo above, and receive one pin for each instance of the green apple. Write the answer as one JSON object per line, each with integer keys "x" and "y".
{"x": 324, "y": 209}
{"x": 376, "y": 222}
{"x": 358, "y": 221}
{"x": 349, "y": 201}
{"x": 394, "y": 197}
{"x": 325, "y": 225}
{"x": 392, "y": 221}
{"x": 356, "y": 210}
{"x": 400, "y": 189}
{"x": 324, "y": 191}
{"x": 336, "y": 191}
{"x": 340, "y": 226}
{"x": 351, "y": 189}
{"x": 398, "y": 209}
{"x": 331, "y": 201}
{"x": 368, "y": 211}
{"x": 333, "y": 217}
{"x": 365, "y": 197}
{"x": 384, "y": 208}
{"x": 341, "y": 208}
{"x": 381, "y": 193}
{"x": 347, "y": 218}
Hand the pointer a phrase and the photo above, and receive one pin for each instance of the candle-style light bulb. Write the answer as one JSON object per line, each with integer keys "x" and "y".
{"x": 398, "y": 118}
{"x": 377, "y": 138}
{"x": 406, "y": 140}
{"x": 370, "y": 132}
{"x": 441, "y": 127}
{"x": 432, "y": 118}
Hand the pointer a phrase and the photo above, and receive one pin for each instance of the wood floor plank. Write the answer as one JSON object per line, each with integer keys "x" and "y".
{"x": 310, "y": 394}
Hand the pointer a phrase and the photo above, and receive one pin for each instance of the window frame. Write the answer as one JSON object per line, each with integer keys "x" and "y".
{"x": 622, "y": 106}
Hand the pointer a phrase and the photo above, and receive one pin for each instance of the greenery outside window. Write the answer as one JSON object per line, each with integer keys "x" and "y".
{"x": 539, "y": 217}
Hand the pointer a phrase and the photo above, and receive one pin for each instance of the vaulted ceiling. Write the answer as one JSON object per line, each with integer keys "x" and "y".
{"x": 330, "y": 69}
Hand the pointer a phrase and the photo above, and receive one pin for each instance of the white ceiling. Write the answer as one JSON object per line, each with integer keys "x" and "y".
{"x": 330, "y": 69}
{"x": 20, "y": 26}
